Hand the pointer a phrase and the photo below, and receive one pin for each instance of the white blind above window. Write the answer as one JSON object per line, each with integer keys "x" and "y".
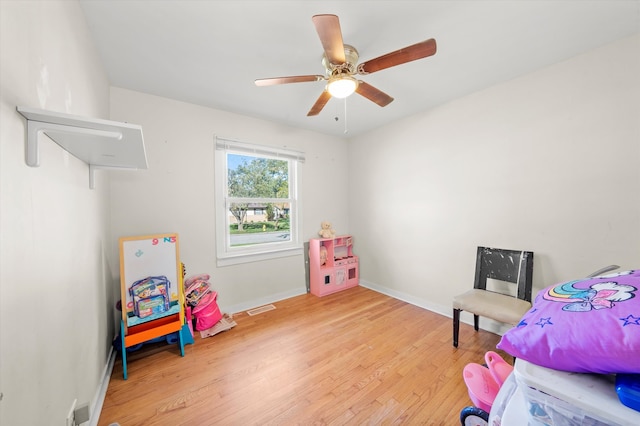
{"x": 283, "y": 153}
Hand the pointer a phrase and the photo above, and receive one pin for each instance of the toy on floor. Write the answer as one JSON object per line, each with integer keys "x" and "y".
{"x": 202, "y": 299}
{"x": 483, "y": 384}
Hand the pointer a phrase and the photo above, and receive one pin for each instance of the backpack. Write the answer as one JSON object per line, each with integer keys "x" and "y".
{"x": 150, "y": 296}
{"x": 195, "y": 288}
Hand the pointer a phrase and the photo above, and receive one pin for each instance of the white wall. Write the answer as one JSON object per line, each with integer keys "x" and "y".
{"x": 448, "y": 173}
{"x": 55, "y": 307}
{"x": 176, "y": 193}
{"x": 547, "y": 162}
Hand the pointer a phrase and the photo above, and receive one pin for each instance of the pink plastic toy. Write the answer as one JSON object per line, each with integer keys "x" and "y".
{"x": 498, "y": 367}
{"x": 481, "y": 385}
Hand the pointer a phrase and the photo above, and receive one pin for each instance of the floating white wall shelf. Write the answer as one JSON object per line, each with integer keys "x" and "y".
{"x": 102, "y": 144}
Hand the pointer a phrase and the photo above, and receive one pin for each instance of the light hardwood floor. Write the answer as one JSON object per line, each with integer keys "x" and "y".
{"x": 351, "y": 358}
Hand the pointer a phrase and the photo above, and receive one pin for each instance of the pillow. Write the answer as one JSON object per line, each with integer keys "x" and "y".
{"x": 590, "y": 325}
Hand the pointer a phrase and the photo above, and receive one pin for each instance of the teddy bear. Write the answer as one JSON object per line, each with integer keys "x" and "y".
{"x": 326, "y": 231}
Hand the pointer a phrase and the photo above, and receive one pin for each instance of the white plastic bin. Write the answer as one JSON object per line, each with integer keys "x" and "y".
{"x": 539, "y": 396}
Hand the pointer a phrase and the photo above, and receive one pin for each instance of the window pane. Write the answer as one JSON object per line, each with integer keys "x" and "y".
{"x": 259, "y": 223}
{"x": 256, "y": 202}
{"x": 257, "y": 177}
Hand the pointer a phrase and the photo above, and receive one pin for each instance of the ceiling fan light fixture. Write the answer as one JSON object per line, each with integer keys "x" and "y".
{"x": 342, "y": 86}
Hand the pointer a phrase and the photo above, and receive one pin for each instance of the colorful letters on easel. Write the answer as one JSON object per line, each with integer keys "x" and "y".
{"x": 155, "y": 241}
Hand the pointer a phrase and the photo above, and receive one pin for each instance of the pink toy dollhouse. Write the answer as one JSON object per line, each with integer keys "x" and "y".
{"x": 332, "y": 265}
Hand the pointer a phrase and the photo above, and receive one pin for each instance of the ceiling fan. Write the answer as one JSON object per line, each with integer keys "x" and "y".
{"x": 341, "y": 63}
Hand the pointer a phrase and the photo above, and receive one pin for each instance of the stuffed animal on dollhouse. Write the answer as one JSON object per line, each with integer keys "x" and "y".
{"x": 323, "y": 255}
{"x": 326, "y": 230}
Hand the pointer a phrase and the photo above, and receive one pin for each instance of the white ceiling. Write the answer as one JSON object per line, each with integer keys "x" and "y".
{"x": 209, "y": 52}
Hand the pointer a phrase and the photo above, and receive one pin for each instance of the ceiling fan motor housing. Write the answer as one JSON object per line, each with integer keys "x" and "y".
{"x": 348, "y": 67}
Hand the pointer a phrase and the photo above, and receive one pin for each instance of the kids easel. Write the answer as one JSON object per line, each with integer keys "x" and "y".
{"x": 153, "y": 309}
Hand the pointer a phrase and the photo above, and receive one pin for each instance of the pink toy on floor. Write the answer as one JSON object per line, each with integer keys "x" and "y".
{"x": 481, "y": 385}
{"x": 498, "y": 367}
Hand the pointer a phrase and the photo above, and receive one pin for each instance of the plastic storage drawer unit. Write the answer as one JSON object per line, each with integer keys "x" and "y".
{"x": 546, "y": 397}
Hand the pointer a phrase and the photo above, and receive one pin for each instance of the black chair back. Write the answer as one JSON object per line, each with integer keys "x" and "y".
{"x": 512, "y": 266}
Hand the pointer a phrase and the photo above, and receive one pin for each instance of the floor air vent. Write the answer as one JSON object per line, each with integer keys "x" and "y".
{"x": 260, "y": 310}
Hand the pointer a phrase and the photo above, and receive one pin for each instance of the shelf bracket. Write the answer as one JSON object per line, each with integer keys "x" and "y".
{"x": 36, "y": 128}
{"x": 102, "y": 144}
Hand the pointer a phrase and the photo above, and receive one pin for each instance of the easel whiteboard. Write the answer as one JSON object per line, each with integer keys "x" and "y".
{"x": 149, "y": 256}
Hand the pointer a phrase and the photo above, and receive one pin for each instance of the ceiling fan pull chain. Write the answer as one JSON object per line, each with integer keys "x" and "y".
{"x": 346, "y": 130}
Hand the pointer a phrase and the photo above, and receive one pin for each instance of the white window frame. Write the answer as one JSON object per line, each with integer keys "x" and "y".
{"x": 225, "y": 253}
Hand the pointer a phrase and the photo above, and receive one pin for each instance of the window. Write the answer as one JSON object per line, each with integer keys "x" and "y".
{"x": 257, "y": 204}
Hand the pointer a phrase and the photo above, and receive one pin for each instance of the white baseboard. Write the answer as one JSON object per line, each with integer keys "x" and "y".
{"x": 447, "y": 311}
{"x": 98, "y": 400}
{"x": 241, "y": 307}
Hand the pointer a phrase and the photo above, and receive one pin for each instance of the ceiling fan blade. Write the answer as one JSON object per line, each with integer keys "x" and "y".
{"x": 286, "y": 80}
{"x": 373, "y": 94}
{"x": 401, "y": 56}
{"x": 328, "y": 28}
{"x": 320, "y": 103}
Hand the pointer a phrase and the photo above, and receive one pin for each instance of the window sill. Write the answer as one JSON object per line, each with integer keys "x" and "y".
{"x": 237, "y": 259}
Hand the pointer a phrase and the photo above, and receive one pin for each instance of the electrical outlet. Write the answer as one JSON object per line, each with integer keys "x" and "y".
{"x": 72, "y": 414}
{"x": 81, "y": 414}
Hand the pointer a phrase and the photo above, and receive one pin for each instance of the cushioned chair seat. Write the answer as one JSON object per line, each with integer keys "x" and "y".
{"x": 498, "y": 306}
{"x": 511, "y": 267}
